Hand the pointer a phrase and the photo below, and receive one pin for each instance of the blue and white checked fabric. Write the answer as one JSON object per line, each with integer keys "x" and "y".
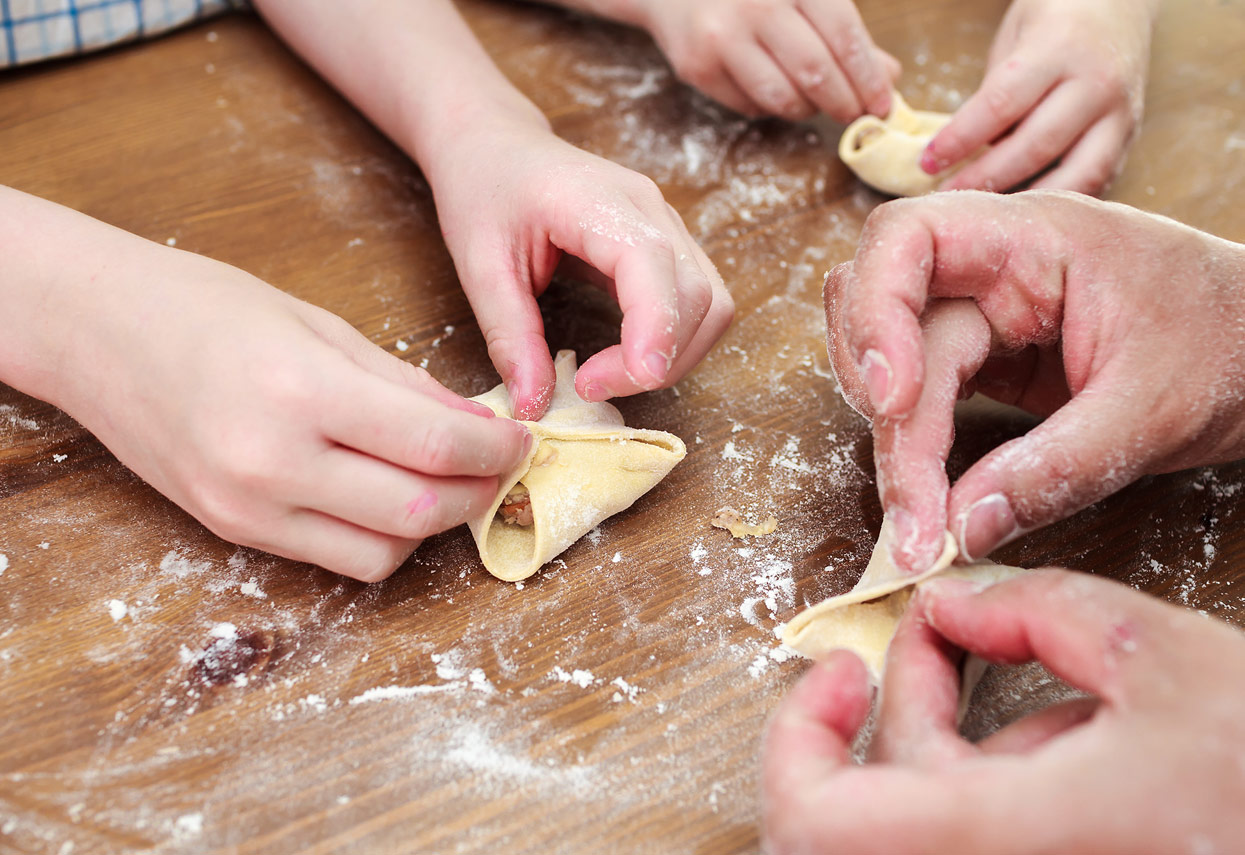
{"x": 33, "y": 30}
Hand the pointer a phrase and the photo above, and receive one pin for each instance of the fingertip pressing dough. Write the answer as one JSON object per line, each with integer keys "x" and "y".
{"x": 584, "y": 466}
{"x": 864, "y": 620}
{"x": 886, "y": 155}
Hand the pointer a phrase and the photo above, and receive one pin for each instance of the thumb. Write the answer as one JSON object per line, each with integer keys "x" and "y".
{"x": 1092, "y": 446}
{"x": 810, "y": 737}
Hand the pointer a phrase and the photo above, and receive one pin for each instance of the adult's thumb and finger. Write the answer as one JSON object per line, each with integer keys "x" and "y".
{"x": 1091, "y": 447}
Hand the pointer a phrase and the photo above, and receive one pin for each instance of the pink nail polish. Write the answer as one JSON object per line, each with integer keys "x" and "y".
{"x": 423, "y": 503}
{"x": 929, "y": 163}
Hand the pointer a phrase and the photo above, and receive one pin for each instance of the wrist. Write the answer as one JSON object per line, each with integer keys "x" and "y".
{"x": 437, "y": 145}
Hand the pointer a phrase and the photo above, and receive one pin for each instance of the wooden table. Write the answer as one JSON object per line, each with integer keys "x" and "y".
{"x": 161, "y": 690}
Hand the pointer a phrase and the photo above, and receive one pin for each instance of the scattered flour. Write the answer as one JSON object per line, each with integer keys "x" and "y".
{"x": 578, "y": 677}
{"x": 389, "y": 693}
{"x": 116, "y": 609}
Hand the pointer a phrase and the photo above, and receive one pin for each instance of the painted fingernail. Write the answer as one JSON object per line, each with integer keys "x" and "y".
{"x": 595, "y": 392}
{"x": 423, "y": 503}
{"x": 875, "y": 370}
{"x": 657, "y": 366}
{"x": 931, "y": 164}
{"x": 988, "y": 522}
{"x": 907, "y": 551}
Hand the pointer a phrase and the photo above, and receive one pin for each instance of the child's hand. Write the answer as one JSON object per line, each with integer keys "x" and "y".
{"x": 273, "y": 422}
{"x": 1064, "y": 90}
{"x": 1151, "y": 765}
{"x": 789, "y": 58}
{"x": 1054, "y": 302}
{"x": 512, "y": 199}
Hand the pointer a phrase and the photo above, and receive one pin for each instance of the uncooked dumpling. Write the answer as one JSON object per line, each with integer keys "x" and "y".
{"x": 584, "y": 466}
{"x": 865, "y": 618}
{"x": 886, "y": 155}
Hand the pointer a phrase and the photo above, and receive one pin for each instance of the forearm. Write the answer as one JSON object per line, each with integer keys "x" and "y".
{"x": 60, "y": 281}
{"x": 415, "y": 69}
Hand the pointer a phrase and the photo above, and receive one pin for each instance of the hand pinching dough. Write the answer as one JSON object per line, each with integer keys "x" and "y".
{"x": 865, "y": 618}
{"x": 584, "y": 466}
{"x": 886, "y": 155}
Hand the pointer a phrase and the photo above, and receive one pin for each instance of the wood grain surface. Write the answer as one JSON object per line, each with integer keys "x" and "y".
{"x": 164, "y": 691}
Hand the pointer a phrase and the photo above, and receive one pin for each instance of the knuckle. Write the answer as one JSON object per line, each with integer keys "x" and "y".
{"x": 251, "y": 463}
{"x": 288, "y": 384}
{"x": 698, "y": 297}
{"x": 712, "y": 28}
{"x": 433, "y": 449}
{"x": 756, "y": 12}
{"x": 223, "y": 512}
{"x": 645, "y": 190}
{"x": 696, "y": 68}
{"x": 1044, "y": 147}
{"x": 376, "y": 564}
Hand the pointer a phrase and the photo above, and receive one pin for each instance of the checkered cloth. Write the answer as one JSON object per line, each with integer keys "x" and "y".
{"x": 33, "y": 30}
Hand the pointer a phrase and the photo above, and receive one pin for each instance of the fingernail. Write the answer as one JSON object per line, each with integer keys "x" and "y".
{"x": 595, "y": 392}
{"x": 929, "y": 163}
{"x": 528, "y": 439}
{"x": 657, "y": 366}
{"x": 907, "y": 551}
{"x": 988, "y": 522}
{"x": 423, "y": 503}
{"x": 876, "y": 371}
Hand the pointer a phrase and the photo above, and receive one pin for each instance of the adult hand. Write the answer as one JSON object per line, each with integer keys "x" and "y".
{"x": 513, "y": 199}
{"x": 1152, "y": 765}
{"x": 273, "y": 422}
{"x": 1123, "y": 328}
{"x": 789, "y": 58}
{"x": 1064, "y": 87}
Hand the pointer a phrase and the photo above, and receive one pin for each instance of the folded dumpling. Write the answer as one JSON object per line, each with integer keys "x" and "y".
{"x": 584, "y": 466}
{"x": 886, "y": 155}
{"x": 865, "y": 618}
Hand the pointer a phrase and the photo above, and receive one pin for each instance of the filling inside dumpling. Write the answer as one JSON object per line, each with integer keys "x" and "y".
{"x": 516, "y": 506}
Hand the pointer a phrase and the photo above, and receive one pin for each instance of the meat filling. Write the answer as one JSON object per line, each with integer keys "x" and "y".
{"x": 516, "y": 507}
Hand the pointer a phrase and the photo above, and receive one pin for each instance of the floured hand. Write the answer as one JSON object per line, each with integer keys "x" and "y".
{"x": 513, "y": 200}
{"x": 273, "y": 422}
{"x": 1151, "y": 765}
{"x": 1120, "y": 327}
{"x": 1064, "y": 88}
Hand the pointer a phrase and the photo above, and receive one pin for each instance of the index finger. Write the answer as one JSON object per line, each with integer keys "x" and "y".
{"x": 401, "y": 426}
{"x": 864, "y": 66}
{"x": 1097, "y": 635}
{"x": 1009, "y": 92}
{"x": 672, "y": 299}
{"x": 1001, "y": 251}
